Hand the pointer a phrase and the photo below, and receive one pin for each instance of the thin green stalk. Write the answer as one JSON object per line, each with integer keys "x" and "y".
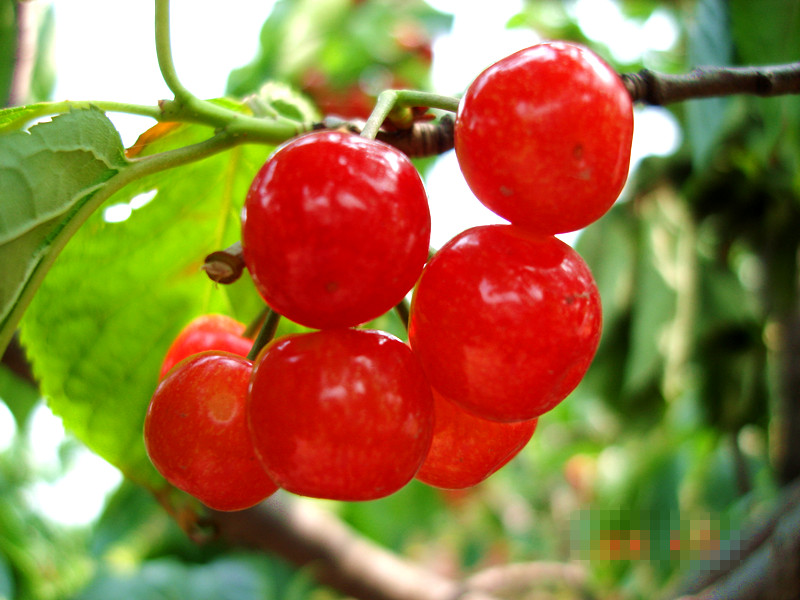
{"x": 31, "y": 112}
{"x": 390, "y": 100}
{"x": 266, "y": 335}
{"x": 188, "y": 107}
{"x": 164, "y": 52}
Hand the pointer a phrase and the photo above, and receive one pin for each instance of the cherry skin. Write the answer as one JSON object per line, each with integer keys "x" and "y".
{"x": 505, "y": 322}
{"x": 196, "y": 435}
{"x": 341, "y": 414}
{"x": 335, "y": 229}
{"x": 543, "y": 137}
{"x": 467, "y": 449}
{"x": 207, "y": 332}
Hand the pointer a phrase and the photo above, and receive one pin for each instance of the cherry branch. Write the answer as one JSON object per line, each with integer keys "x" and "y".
{"x": 659, "y": 88}
{"x": 767, "y": 566}
{"x": 311, "y": 537}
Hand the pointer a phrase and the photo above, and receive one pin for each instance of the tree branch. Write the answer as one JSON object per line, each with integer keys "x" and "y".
{"x": 706, "y": 82}
{"x": 25, "y": 59}
{"x": 766, "y": 568}
{"x": 308, "y": 536}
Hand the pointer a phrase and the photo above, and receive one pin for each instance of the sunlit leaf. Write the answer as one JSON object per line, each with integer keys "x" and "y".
{"x": 45, "y": 177}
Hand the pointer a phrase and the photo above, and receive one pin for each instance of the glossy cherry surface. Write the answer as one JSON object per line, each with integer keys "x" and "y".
{"x": 543, "y": 137}
{"x": 467, "y": 449}
{"x": 505, "y": 322}
{"x": 335, "y": 229}
{"x": 341, "y": 414}
{"x": 207, "y": 332}
{"x": 196, "y": 435}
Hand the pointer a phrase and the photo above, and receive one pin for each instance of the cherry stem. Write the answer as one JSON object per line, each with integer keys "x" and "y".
{"x": 256, "y": 324}
{"x": 403, "y": 311}
{"x": 267, "y": 333}
{"x": 188, "y": 107}
{"x": 390, "y": 100}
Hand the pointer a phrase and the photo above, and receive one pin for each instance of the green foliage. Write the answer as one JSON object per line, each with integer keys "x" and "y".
{"x": 342, "y": 52}
{"x": 19, "y": 396}
{"x": 8, "y": 37}
{"x": 709, "y": 44}
{"x": 37, "y": 559}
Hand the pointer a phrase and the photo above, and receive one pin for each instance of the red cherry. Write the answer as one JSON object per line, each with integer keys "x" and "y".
{"x": 467, "y": 449}
{"x": 335, "y": 229}
{"x": 341, "y": 414}
{"x": 207, "y": 332}
{"x": 196, "y": 436}
{"x": 505, "y": 322}
{"x": 543, "y": 137}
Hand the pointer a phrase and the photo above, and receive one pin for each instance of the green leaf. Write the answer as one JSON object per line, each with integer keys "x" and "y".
{"x": 6, "y": 580}
{"x": 99, "y": 326}
{"x": 232, "y": 577}
{"x": 765, "y": 32}
{"x": 710, "y": 44}
{"x": 654, "y": 303}
{"x": 8, "y": 47}
{"x": 34, "y": 21}
{"x": 16, "y": 116}
{"x": 334, "y": 46}
{"x": 46, "y": 176}
{"x": 20, "y": 396}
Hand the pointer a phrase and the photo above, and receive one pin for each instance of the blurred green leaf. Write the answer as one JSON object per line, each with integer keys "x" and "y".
{"x": 414, "y": 508}
{"x": 46, "y": 176}
{"x": 230, "y": 577}
{"x": 133, "y": 285}
{"x": 8, "y": 47}
{"x": 653, "y": 305}
{"x": 18, "y": 395}
{"x": 342, "y": 54}
{"x": 709, "y": 44}
{"x": 765, "y": 32}
{"x": 6, "y": 580}
{"x": 38, "y": 23}
{"x": 43, "y": 77}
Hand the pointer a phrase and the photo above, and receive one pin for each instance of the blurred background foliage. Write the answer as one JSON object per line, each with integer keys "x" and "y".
{"x": 686, "y": 424}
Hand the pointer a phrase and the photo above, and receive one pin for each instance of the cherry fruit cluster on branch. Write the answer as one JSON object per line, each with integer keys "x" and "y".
{"x": 504, "y": 319}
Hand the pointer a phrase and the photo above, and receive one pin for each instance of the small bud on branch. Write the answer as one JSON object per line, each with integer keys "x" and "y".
{"x": 225, "y": 266}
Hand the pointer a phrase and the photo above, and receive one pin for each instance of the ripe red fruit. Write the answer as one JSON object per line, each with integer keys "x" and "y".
{"x": 207, "y": 332}
{"x": 341, "y": 414}
{"x": 543, "y": 137}
{"x": 467, "y": 449}
{"x": 505, "y": 322}
{"x": 196, "y": 436}
{"x": 335, "y": 229}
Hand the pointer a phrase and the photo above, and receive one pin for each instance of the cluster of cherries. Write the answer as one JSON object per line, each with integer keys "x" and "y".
{"x": 504, "y": 319}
